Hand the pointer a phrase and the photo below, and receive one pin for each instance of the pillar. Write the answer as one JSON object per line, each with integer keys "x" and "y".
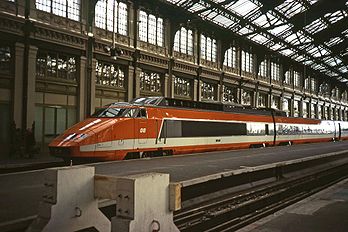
{"x": 130, "y": 83}
{"x": 137, "y": 73}
{"x": 30, "y": 114}
{"x": 195, "y": 90}
{"x": 166, "y": 92}
{"x": 92, "y": 84}
{"x": 18, "y": 85}
{"x": 199, "y": 89}
{"x": 82, "y": 90}
{"x": 172, "y": 87}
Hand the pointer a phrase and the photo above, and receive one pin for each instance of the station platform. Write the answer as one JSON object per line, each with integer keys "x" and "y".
{"x": 21, "y": 192}
{"x": 25, "y": 164}
{"x": 324, "y": 211}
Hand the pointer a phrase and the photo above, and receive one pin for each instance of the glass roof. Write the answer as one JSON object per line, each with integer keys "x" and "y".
{"x": 311, "y": 32}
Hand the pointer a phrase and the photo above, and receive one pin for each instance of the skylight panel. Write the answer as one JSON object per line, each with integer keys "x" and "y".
{"x": 218, "y": 1}
{"x": 287, "y": 52}
{"x": 330, "y": 73}
{"x": 315, "y": 52}
{"x": 308, "y": 62}
{"x": 278, "y": 30}
{"x": 243, "y": 7}
{"x": 210, "y": 14}
{"x": 302, "y": 38}
{"x": 261, "y": 21}
{"x": 323, "y": 51}
{"x": 196, "y": 7}
{"x": 177, "y": 2}
{"x": 290, "y": 8}
{"x": 258, "y": 38}
{"x": 226, "y": 22}
{"x": 336, "y": 16}
{"x": 316, "y": 26}
{"x": 245, "y": 30}
{"x": 312, "y": 1}
{"x": 291, "y": 38}
{"x": 345, "y": 33}
{"x": 300, "y": 58}
{"x": 276, "y": 46}
{"x": 343, "y": 69}
{"x": 334, "y": 41}
{"x": 331, "y": 62}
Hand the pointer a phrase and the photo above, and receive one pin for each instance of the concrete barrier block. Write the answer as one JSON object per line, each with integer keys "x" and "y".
{"x": 105, "y": 187}
{"x": 174, "y": 196}
{"x": 143, "y": 204}
{"x": 68, "y": 203}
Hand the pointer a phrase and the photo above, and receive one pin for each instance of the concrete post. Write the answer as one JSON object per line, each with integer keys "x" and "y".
{"x": 68, "y": 203}
{"x": 18, "y": 85}
{"x": 143, "y": 204}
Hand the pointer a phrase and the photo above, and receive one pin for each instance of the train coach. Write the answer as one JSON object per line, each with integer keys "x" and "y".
{"x": 157, "y": 126}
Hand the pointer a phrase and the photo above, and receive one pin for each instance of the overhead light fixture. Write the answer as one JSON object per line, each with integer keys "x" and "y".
{"x": 115, "y": 52}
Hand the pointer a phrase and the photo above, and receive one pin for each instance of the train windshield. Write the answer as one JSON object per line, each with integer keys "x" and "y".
{"x": 110, "y": 112}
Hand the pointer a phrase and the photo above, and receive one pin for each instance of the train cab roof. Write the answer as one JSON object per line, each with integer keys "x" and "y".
{"x": 213, "y": 106}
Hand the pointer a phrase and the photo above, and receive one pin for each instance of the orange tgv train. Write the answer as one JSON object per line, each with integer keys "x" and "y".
{"x": 156, "y": 126}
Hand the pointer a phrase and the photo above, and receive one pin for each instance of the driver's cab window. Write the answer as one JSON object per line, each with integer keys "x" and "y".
{"x": 141, "y": 113}
{"x": 131, "y": 113}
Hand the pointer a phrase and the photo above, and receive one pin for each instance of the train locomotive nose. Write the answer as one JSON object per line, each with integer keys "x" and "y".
{"x": 67, "y": 146}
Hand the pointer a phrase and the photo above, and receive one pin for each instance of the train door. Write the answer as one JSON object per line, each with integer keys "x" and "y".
{"x": 142, "y": 127}
{"x": 160, "y": 138}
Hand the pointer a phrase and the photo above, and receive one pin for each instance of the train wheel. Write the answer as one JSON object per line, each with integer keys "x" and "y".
{"x": 132, "y": 155}
{"x": 145, "y": 154}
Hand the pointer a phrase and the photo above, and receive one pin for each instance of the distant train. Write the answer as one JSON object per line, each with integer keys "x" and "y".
{"x": 157, "y": 126}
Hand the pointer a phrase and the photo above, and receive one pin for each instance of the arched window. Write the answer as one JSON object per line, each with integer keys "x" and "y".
{"x": 109, "y": 14}
{"x": 183, "y": 41}
{"x": 151, "y": 29}
{"x": 208, "y": 48}
{"x": 65, "y": 8}
{"x": 230, "y": 58}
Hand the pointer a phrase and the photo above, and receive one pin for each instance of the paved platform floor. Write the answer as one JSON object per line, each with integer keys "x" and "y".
{"x": 326, "y": 211}
{"x": 20, "y": 193}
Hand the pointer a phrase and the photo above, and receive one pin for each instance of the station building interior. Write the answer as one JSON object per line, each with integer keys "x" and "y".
{"x": 60, "y": 59}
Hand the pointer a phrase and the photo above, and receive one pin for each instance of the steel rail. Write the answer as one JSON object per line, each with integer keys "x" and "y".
{"x": 236, "y": 210}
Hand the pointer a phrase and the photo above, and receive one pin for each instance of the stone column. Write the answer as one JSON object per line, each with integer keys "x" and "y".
{"x": 130, "y": 83}
{"x": 199, "y": 97}
{"x": 219, "y": 93}
{"x": 18, "y": 85}
{"x": 166, "y": 87}
{"x": 30, "y": 114}
{"x": 172, "y": 87}
{"x": 291, "y": 113}
{"x": 137, "y": 81}
{"x": 195, "y": 90}
{"x": 82, "y": 89}
{"x": 93, "y": 79}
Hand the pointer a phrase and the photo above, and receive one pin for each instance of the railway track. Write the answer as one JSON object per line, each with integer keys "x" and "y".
{"x": 233, "y": 211}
